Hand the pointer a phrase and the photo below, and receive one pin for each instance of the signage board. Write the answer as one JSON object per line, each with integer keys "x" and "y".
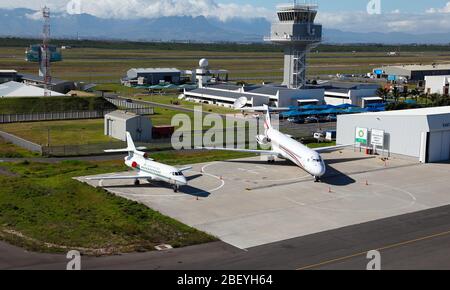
{"x": 377, "y": 137}
{"x": 361, "y": 135}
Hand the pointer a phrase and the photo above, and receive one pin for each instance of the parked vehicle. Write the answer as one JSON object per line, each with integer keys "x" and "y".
{"x": 331, "y": 118}
{"x": 296, "y": 120}
{"x": 330, "y": 135}
{"x": 311, "y": 119}
{"x": 319, "y": 136}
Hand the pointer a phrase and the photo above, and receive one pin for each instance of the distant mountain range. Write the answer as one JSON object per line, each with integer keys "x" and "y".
{"x": 24, "y": 23}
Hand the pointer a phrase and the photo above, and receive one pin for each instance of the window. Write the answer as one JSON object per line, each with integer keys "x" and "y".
{"x": 177, "y": 174}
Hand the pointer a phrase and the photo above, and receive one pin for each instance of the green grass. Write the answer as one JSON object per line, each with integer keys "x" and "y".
{"x": 61, "y": 132}
{"x": 53, "y": 104}
{"x": 321, "y": 144}
{"x": 45, "y": 205}
{"x": 107, "y": 62}
{"x": 9, "y": 150}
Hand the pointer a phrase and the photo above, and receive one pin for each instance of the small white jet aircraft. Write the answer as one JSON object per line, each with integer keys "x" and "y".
{"x": 284, "y": 147}
{"x": 147, "y": 168}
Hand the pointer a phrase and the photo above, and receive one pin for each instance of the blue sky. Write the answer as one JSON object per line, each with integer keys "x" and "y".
{"x": 417, "y": 16}
{"x": 414, "y": 6}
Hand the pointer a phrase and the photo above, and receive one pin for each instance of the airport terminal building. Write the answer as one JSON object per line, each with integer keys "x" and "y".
{"x": 419, "y": 133}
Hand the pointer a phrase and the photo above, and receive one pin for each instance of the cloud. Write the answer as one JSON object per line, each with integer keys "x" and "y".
{"x": 446, "y": 9}
{"x": 126, "y": 9}
{"x": 396, "y": 21}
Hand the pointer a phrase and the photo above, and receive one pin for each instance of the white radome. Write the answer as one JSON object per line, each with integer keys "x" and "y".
{"x": 203, "y": 63}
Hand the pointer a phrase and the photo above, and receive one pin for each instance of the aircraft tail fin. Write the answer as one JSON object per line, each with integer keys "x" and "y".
{"x": 130, "y": 143}
{"x": 267, "y": 121}
{"x": 131, "y": 148}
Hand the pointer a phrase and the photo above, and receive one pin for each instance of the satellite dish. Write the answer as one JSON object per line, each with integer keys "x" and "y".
{"x": 240, "y": 103}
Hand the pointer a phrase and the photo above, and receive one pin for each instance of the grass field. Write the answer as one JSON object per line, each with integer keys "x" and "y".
{"x": 109, "y": 65}
{"x": 79, "y": 132}
{"x": 60, "y": 132}
{"x": 9, "y": 150}
{"x": 43, "y": 209}
{"x": 52, "y": 104}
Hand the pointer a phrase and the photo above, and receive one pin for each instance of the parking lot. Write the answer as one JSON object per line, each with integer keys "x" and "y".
{"x": 248, "y": 202}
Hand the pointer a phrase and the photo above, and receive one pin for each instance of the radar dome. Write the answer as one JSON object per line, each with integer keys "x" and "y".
{"x": 203, "y": 63}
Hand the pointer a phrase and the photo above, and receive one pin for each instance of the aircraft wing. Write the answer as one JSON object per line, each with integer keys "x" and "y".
{"x": 185, "y": 168}
{"x": 117, "y": 177}
{"x": 331, "y": 148}
{"x": 262, "y": 152}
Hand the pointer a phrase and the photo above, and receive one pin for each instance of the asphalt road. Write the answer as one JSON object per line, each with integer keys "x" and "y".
{"x": 419, "y": 240}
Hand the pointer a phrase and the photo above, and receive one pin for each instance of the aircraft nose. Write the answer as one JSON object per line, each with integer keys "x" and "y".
{"x": 319, "y": 171}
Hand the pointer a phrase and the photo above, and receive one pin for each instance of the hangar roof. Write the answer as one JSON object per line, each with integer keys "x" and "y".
{"x": 420, "y": 67}
{"x": 122, "y": 115}
{"x": 15, "y": 89}
{"x": 224, "y": 94}
{"x": 415, "y": 112}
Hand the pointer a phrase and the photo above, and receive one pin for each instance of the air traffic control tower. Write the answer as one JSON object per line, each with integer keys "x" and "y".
{"x": 296, "y": 31}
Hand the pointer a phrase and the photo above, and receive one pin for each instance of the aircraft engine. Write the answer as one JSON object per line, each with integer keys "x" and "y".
{"x": 262, "y": 140}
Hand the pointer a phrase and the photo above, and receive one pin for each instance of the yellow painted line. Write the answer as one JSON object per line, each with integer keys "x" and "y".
{"x": 379, "y": 249}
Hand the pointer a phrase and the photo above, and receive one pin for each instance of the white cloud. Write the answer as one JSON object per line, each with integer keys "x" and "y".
{"x": 446, "y": 9}
{"x": 386, "y": 22}
{"x": 125, "y": 9}
{"x": 389, "y": 21}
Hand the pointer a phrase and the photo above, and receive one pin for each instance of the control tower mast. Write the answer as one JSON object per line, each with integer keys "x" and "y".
{"x": 297, "y": 32}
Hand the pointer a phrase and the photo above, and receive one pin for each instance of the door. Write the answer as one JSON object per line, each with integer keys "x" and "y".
{"x": 439, "y": 149}
{"x": 110, "y": 127}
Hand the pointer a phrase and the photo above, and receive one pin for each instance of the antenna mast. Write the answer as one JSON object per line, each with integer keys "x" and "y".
{"x": 46, "y": 54}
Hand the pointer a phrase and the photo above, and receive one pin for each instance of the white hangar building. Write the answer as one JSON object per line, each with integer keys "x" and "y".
{"x": 419, "y": 133}
{"x": 117, "y": 123}
{"x": 276, "y": 96}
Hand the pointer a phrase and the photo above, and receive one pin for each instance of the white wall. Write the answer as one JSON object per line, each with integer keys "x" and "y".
{"x": 403, "y": 133}
{"x": 435, "y": 84}
{"x": 318, "y": 94}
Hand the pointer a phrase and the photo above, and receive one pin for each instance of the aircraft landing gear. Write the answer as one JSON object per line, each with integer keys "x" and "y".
{"x": 271, "y": 160}
{"x": 137, "y": 182}
{"x": 317, "y": 179}
{"x": 176, "y": 188}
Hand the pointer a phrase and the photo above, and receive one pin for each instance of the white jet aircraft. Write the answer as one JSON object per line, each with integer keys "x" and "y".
{"x": 147, "y": 168}
{"x": 284, "y": 147}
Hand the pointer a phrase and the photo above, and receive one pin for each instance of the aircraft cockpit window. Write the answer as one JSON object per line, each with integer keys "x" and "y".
{"x": 177, "y": 174}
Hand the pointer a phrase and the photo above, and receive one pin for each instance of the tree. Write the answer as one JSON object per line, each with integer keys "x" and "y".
{"x": 415, "y": 93}
{"x": 396, "y": 94}
{"x": 382, "y": 93}
{"x": 434, "y": 99}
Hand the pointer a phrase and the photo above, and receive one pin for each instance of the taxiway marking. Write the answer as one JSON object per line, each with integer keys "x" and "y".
{"x": 388, "y": 247}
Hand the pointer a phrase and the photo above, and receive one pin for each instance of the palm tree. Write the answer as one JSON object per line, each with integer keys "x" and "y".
{"x": 382, "y": 93}
{"x": 415, "y": 93}
{"x": 434, "y": 98}
{"x": 396, "y": 94}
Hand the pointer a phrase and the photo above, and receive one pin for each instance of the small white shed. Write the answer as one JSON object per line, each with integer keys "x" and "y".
{"x": 117, "y": 123}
